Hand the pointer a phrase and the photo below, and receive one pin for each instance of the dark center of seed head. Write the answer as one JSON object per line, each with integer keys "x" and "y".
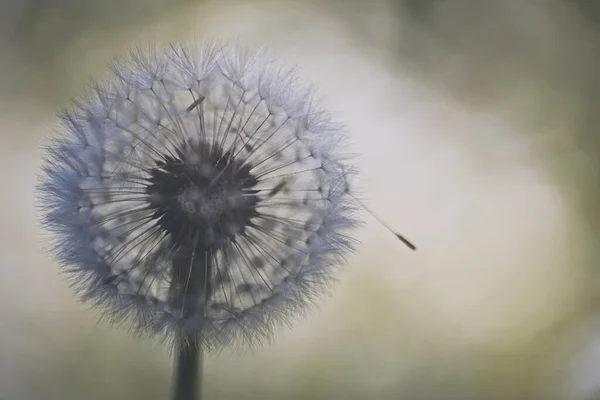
{"x": 202, "y": 195}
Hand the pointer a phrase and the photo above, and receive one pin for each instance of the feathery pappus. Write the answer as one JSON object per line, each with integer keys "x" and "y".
{"x": 199, "y": 190}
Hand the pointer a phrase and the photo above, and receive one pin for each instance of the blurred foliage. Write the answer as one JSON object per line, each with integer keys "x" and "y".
{"x": 41, "y": 39}
{"x": 589, "y": 9}
{"x": 484, "y": 53}
{"x": 40, "y": 27}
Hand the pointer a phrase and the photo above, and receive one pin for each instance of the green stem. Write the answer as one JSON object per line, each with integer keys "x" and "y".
{"x": 187, "y": 377}
{"x": 190, "y": 281}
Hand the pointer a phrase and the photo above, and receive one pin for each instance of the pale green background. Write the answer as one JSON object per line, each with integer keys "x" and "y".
{"x": 477, "y": 125}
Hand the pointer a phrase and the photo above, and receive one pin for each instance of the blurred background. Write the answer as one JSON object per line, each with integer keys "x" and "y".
{"x": 477, "y": 124}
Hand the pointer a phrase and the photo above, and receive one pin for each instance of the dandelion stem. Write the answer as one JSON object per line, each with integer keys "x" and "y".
{"x": 188, "y": 370}
{"x": 190, "y": 281}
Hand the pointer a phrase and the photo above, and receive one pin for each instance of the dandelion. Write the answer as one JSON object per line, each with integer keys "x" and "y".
{"x": 201, "y": 195}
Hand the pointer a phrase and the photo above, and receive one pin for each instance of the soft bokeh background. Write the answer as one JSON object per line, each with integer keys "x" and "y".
{"x": 477, "y": 124}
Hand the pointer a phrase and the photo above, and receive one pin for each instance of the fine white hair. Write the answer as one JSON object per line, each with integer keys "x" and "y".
{"x": 199, "y": 190}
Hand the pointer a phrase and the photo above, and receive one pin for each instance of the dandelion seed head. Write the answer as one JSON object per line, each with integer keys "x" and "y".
{"x": 199, "y": 190}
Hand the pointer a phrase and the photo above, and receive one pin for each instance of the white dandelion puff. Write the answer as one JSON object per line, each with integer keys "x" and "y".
{"x": 199, "y": 192}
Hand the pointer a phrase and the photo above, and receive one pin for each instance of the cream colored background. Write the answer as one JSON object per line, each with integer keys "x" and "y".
{"x": 469, "y": 126}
